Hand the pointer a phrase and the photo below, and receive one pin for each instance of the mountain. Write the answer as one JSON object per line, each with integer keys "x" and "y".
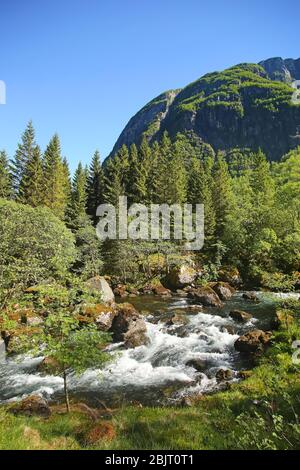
{"x": 246, "y": 106}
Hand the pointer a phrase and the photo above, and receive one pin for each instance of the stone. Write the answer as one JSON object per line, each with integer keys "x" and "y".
{"x": 254, "y": 341}
{"x": 229, "y": 329}
{"x": 251, "y": 296}
{"x": 179, "y": 277}
{"x": 224, "y": 290}
{"x": 100, "y": 314}
{"x": 128, "y": 326}
{"x": 177, "y": 319}
{"x": 198, "y": 364}
{"x": 240, "y": 316}
{"x": 99, "y": 284}
{"x": 33, "y": 405}
{"x": 120, "y": 291}
{"x": 224, "y": 374}
{"x": 161, "y": 290}
{"x": 206, "y": 296}
{"x": 231, "y": 276}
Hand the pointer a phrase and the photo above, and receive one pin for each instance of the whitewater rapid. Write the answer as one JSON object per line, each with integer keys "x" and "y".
{"x": 141, "y": 371}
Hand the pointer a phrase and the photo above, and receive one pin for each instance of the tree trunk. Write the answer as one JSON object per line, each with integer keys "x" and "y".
{"x": 66, "y": 392}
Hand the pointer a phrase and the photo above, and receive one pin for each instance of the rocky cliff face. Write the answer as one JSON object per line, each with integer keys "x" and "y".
{"x": 249, "y": 105}
{"x": 147, "y": 121}
{"x": 284, "y": 70}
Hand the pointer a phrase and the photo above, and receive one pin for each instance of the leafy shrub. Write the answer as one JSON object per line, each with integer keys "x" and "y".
{"x": 34, "y": 245}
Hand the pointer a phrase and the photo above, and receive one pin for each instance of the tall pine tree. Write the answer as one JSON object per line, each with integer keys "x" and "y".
{"x": 32, "y": 182}
{"x": 23, "y": 154}
{"x": 95, "y": 186}
{"x": 5, "y": 177}
{"x": 55, "y": 178}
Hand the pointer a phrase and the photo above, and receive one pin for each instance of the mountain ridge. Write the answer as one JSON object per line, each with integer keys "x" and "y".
{"x": 247, "y": 105}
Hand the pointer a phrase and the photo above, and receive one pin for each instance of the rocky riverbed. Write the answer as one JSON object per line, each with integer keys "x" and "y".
{"x": 187, "y": 350}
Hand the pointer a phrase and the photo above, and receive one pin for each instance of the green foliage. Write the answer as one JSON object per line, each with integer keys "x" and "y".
{"x": 5, "y": 177}
{"x": 71, "y": 346}
{"x": 95, "y": 186}
{"x": 56, "y": 179}
{"x": 34, "y": 246}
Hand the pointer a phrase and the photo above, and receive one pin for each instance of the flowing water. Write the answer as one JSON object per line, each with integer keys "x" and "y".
{"x": 155, "y": 373}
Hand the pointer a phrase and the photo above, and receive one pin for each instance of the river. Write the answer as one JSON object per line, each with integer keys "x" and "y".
{"x": 156, "y": 373}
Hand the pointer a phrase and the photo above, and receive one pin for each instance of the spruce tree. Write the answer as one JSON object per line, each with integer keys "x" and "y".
{"x": 154, "y": 174}
{"x": 95, "y": 186}
{"x": 77, "y": 206}
{"x": 5, "y": 177}
{"x": 55, "y": 175}
{"x": 23, "y": 154}
{"x": 133, "y": 183}
{"x": 222, "y": 193}
{"x": 200, "y": 192}
{"x": 32, "y": 182}
{"x": 113, "y": 186}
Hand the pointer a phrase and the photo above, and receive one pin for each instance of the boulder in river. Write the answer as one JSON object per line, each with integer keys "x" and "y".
{"x": 33, "y": 405}
{"x": 198, "y": 364}
{"x": 120, "y": 291}
{"x": 253, "y": 342}
{"x": 224, "y": 290}
{"x": 179, "y": 277}
{"x": 206, "y": 296}
{"x": 100, "y": 284}
{"x": 100, "y": 314}
{"x": 251, "y": 296}
{"x": 128, "y": 326}
{"x": 161, "y": 290}
{"x": 224, "y": 374}
{"x": 177, "y": 319}
{"x": 240, "y": 315}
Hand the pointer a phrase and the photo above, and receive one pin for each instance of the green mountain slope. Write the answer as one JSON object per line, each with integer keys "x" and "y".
{"x": 239, "y": 107}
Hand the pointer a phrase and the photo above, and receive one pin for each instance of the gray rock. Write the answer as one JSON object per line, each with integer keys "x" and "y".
{"x": 240, "y": 316}
{"x": 179, "y": 277}
{"x": 99, "y": 284}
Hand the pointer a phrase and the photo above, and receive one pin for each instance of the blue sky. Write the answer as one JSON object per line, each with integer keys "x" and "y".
{"x": 82, "y": 68}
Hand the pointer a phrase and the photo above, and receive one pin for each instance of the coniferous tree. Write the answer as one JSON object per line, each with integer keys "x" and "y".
{"x": 95, "y": 186}
{"x": 222, "y": 193}
{"x": 77, "y": 207}
{"x": 5, "y": 177}
{"x": 163, "y": 182}
{"x": 23, "y": 154}
{"x": 55, "y": 178}
{"x": 154, "y": 174}
{"x": 133, "y": 183}
{"x": 32, "y": 182}
{"x": 113, "y": 186}
{"x": 123, "y": 158}
{"x": 66, "y": 180}
{"x": 200, "y": 192}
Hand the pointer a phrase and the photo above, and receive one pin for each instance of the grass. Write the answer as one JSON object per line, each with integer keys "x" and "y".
{"x": 260, "y": 412}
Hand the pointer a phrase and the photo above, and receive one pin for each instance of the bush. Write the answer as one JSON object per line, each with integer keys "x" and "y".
{"x": 34, "y": 245}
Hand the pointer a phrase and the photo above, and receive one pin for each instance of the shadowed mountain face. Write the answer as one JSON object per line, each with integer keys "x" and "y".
{"x": 248, "y": 105}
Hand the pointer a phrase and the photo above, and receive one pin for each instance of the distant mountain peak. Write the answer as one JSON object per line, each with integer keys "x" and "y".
{"x": 247, "y": 105}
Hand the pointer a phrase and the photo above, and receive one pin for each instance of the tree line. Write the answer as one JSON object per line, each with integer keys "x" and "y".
{"x": 251, "y": 205}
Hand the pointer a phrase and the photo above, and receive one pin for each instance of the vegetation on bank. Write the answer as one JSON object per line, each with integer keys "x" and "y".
{"x": 259, "y": 412}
